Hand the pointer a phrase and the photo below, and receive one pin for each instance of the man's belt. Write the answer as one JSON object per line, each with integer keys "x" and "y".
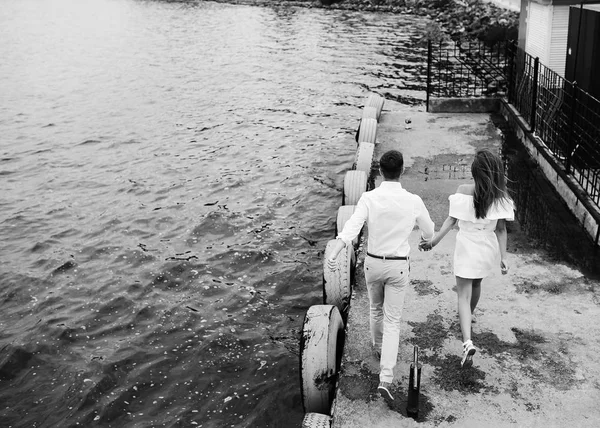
{"x": 387, "y": 257}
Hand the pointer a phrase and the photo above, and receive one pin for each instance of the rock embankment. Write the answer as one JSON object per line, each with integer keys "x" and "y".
{"x": 460, "y": 19}
{"x": 471, "y": 19}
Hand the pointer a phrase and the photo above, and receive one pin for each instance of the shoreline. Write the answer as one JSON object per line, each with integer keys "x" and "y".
{"x": 456, "y": 19}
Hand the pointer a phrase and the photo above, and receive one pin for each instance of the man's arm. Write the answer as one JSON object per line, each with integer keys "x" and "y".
{"x": 424, "y": 222}
{"x": 351, "y": 230}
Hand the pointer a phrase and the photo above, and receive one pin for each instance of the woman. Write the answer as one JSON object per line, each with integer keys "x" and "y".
{"x": 480, "y": 209}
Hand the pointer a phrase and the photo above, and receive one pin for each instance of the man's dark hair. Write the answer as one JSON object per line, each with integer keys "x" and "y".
{"x": 391, "y": 164}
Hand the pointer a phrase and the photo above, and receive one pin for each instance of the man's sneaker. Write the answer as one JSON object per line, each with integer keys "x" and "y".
{"x": 385, "y": 390}
{"x": 468, "y": 352}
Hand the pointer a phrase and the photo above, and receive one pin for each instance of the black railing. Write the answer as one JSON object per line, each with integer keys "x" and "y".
{"x": 551, "y": 111}
{"x": 472, "y": 69}
{"x": 565, "y": 118}
{"x": 521, "y": 92}
{"x": 584, "y": 144}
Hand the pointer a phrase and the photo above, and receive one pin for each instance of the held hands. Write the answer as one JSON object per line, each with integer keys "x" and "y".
{"x": 426, "y": 245}
{"x": 503, "y": 267}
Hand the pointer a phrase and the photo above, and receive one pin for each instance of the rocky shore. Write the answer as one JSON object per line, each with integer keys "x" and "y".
{"x": 458, "y": 19}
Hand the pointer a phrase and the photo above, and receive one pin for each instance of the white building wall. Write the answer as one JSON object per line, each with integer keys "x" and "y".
{"x": 538, "y": 31}
{"x": 557, "y": 55}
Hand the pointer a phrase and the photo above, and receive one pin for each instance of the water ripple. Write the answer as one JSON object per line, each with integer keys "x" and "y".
{"x": 168, "y": 190}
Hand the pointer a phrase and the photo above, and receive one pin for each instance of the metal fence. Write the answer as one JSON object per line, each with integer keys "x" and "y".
{"x": 564, "y": 118}
{"x": 467, "y": 69}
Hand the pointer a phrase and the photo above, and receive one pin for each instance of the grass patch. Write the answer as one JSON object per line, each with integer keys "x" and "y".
{"x": 449, "y": 376}
{"x": 581, "y": 284}
{"x": 540, "y": 359}
{"x": 424, "y": 287}
{"x": 430, "y": 334}
{"x": 361, "y": 387}
{"x": 527, "y": 341}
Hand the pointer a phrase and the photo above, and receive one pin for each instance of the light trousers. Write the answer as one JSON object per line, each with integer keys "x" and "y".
{"x": 387, "y": 281}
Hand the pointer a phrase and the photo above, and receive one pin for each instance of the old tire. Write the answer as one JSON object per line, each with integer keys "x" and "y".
{"x": 321, "y": 354}
{"x": 370, "y": 112}
{"x": 337, "y": 284}
{"x": 355, "y": 184}
{"x": 368, "y": 131}
{"x": 343, "y": 214}
{"x": 364, "y": 157}
{"x": 377, "y": 101}
{"x": 316, "y": 420}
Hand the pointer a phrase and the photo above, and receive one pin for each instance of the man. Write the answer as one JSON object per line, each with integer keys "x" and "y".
{"x": 391, "y": 214}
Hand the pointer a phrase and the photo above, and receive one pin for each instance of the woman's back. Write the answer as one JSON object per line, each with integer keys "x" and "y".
{"x": 476, "y": 243}
{"x": 462, "y": 207}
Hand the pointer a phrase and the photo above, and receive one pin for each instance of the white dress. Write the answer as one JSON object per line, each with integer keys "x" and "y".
{"x": 477, "y": 252}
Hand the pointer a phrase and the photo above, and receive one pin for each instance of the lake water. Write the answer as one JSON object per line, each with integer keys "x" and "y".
{"x": 170, "y": 176}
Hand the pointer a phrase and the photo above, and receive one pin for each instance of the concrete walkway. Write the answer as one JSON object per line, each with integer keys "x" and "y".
{"x": 536, "y": 328}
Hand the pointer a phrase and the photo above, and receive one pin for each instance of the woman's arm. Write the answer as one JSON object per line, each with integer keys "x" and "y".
{"x": 448, "y": 224}
{"x": 502, "y": 238}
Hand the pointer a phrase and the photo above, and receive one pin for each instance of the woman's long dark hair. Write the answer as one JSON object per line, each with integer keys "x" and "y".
{"x": 490, "y": 183}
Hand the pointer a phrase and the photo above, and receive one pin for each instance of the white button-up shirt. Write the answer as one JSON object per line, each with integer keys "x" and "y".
{"x": 391, "y": 214}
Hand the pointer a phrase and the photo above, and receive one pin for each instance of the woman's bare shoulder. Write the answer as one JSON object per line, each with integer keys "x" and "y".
{"x": 466, "y": 189}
